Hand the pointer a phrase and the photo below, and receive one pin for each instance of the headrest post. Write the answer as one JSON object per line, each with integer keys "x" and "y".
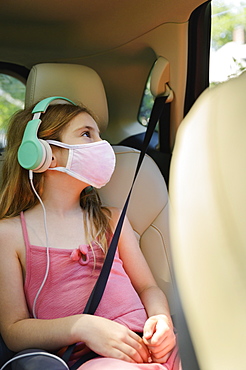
{"x": 160, "y": 77}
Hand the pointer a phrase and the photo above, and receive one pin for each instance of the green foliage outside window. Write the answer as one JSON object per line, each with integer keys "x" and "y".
{"x": 226, "y": 18}
{"x": 228, "y": 53}
{"x": 12, "y": 95}
{"x": 146, "y": 105}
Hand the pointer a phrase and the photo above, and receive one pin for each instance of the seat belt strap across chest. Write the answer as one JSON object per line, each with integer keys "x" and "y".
{"x": 100, "y": 285}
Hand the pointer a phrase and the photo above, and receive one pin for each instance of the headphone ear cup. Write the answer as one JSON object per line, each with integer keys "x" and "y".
{"x": 47, "y": 157}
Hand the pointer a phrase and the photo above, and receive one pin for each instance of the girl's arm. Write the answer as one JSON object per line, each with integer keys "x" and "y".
{"x": 18, "y": 330}
{"x": 158, "y": 330}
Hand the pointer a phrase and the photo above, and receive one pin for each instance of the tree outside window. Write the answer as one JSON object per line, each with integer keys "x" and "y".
{"x": 228, "y": 48}
{"x": 12, "y": 95}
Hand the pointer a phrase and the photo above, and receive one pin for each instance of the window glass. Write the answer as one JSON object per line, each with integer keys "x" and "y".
{"x": 228, "y": 48}
{"x": 146, "y": 105}
{"x": 12, "y": 95}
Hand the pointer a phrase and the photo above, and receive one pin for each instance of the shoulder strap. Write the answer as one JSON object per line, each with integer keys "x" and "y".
{"x": 100, "y": 285}
{"x": 24, "y": 230}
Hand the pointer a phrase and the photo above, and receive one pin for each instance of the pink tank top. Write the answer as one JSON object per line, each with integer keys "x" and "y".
{"x": 70, "y": 281}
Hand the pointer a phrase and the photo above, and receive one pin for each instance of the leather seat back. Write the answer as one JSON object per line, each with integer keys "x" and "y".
{"x": 208, "y": 233}
{"x": 148, "y": 211}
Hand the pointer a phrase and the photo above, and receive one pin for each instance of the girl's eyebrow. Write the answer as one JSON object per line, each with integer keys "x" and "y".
{"x": 89, "y": 128}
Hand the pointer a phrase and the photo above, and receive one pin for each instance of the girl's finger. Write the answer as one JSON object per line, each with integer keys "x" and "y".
{"x": 132, "y": 351}
{"x": 149, "y": 328}
{"x": 161, "y": 360}
{"x": 138, "y": 344}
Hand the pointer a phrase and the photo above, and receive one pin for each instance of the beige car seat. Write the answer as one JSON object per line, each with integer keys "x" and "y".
{"x": 149, "y": 206}
{"x": 208, "y": 230}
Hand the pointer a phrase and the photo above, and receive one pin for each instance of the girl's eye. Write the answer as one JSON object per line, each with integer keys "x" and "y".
{"x": 86, "y": 133}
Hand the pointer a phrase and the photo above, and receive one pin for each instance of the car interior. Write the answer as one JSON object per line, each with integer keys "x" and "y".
{"x": 184, "y": 209}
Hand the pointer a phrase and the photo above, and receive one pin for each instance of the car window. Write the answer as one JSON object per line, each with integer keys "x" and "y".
{"x": 146, "y": 105}
{"x": 12, "y": 95}
{"x": 228, "y": 48}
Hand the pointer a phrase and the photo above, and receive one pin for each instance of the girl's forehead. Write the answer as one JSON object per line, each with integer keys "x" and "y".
{"x": 82, "y": 120}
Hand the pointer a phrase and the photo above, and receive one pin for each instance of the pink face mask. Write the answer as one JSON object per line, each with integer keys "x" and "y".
{"x": 91, "y": 163}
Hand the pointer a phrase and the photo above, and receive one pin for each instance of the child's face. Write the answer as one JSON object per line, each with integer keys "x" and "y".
{"x": 82, "y": 129}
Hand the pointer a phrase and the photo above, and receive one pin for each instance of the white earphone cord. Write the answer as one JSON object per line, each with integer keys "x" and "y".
{"x": 47, "y": 245}
{"x": 18, "y": 357}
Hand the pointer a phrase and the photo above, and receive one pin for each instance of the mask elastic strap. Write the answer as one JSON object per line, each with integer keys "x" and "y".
{"x": 75, "y": 146}
{"x": 58, "y": 143}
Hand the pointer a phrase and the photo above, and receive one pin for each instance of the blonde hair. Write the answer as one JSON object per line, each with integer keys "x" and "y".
{"x": 16, "y": 194}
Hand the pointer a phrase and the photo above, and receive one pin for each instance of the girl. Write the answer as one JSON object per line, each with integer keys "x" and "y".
{"x": 53, "y": 247}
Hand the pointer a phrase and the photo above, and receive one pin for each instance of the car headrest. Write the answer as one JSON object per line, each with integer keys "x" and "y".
{"x": 208, "y": 233}
{"x": 78, "y": 83}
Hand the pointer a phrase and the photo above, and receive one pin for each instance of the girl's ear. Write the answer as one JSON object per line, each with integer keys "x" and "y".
{"x": 59, "y": 157}
{"x": 53, "y": 161}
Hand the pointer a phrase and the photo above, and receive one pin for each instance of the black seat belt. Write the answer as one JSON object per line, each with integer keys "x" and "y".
{"x": 100, "y": 285}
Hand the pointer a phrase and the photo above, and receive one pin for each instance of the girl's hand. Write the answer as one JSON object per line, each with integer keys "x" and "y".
{"x": 111, "y": 339}
{"x": 159, "y": 337}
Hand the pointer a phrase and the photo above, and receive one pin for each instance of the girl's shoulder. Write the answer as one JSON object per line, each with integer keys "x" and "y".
{"x": 11, "y": 222}
{"x": 10, "y": 230}
{"x": 114, "y": 215}
{"x": 114, "y": 211}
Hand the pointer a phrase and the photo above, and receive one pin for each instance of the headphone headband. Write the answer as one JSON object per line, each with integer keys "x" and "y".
{"x": 43, "y": 104}
{"x": 35, "y": 154}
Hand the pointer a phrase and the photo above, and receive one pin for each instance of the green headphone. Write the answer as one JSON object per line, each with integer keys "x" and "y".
{"x": 35, "y": 154}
